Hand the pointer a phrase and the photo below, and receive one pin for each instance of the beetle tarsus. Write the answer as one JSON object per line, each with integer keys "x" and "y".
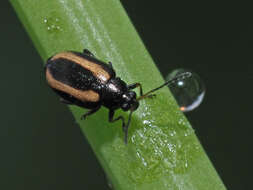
{"x": 124, "y": 126}
{"x": 87, "y": 52}
{"x": 110, "y": 64}
{"x": 111, "y": 119}
{"x": 125, "y": 130}
{"x": 62, "y": 100}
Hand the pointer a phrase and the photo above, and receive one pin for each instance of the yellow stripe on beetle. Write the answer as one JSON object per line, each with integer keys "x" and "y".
{"x": 96, "y": 69}
{"x": 85, "y": 96}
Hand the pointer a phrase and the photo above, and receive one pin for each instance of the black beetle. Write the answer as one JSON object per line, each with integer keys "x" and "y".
{"x": 83, "y": 80}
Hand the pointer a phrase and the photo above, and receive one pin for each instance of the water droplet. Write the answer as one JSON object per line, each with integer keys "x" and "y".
{"x": 52, "y": 24}
{"x": 109, "y": 182}
{"x": 189, "y": 91}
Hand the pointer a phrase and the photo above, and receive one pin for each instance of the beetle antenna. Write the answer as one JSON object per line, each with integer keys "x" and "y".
{"x": 180, "y": 76}
{"x": 127, "y": 126}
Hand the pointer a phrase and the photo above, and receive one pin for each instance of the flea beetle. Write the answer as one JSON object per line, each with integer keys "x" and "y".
{"x": 83, "y": 80}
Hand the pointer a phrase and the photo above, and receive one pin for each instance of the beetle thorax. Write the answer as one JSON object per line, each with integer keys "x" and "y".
{"x": 113, "y": 93}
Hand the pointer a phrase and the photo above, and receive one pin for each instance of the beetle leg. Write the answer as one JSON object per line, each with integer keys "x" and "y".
{"x": 135, "y": 85}
{"x": 124, "y": 125}
{"x": 87, "y": 52}
{"x": 110, "y": 64}
{"x": 90, "y": 112}
{"x": 111, "y": 119}
{"x": 62, "y": 100}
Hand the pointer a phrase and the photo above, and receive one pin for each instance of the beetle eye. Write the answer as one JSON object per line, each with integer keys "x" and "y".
{"x": 132, "y": 95}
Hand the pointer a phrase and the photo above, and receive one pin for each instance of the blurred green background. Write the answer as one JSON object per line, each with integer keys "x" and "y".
{"x": 215, "y": 41}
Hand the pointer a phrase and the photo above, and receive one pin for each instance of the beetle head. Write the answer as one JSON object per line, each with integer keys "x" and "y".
{"x": 129, "y": 101}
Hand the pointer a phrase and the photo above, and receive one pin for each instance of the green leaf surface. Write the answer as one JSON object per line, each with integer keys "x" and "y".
{"x": 163, "y": 151}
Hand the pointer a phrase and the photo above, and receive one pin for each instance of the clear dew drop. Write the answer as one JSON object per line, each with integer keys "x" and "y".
{"x": 52, "y": 24}
{"x": 109, "y": 183}
{"x": 188, "y": 92}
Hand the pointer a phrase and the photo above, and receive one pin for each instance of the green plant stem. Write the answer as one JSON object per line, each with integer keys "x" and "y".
{"x": 163, "y": 151}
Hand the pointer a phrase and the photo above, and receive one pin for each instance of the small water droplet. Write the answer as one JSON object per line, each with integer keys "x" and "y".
{"x": 52, "y": 24}
{"x": 189, "y": 91}
{"x": 173, "y": 133}
{"x": 109, "y": 183}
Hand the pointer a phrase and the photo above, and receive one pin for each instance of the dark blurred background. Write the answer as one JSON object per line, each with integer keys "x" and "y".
{"x": 214, "y": 40}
